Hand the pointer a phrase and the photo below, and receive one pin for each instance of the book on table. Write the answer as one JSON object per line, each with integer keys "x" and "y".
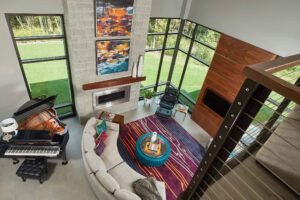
{"x": 152, "y": 148}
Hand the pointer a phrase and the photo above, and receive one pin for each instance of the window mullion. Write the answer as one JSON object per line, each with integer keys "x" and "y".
{"x": 206, "y": 45}
{"x": 46, "y": 37}
{"x": 162, "y": 54}
{"x": 176, "y": 50}
{"x": 200, "y": 60}
{"x": 34, "y": 60}
{"x": 188, "y": 56}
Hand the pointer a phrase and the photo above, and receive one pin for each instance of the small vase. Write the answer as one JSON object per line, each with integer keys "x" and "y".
{"x": 134, "y": 70}
{"x": 140, "y": 66}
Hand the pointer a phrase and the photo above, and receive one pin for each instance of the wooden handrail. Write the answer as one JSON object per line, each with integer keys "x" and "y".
{"x": 262, "y": 73}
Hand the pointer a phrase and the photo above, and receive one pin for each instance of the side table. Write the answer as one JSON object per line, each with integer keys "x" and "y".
{"x": 183, "y": 109}
{"x": 119, "y": 119}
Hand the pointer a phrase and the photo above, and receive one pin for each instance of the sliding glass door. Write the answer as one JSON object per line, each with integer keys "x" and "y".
{"x": 42, "y": 52}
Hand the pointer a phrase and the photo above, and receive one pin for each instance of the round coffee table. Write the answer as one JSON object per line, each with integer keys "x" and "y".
{"x": 150, "y": 159}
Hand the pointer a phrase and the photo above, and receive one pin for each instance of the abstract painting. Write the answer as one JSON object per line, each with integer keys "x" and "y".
{"x": 113, "y": 17}
{"x": 112, "y": 56}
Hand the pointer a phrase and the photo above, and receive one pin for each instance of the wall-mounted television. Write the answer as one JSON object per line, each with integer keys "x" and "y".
{"x": 215, "y": 102}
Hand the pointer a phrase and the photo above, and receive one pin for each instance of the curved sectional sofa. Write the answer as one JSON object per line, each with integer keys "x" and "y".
{"x": 108, "y": 175}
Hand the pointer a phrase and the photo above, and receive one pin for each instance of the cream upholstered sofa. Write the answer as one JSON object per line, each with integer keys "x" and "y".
{"x": 109, "y": 176}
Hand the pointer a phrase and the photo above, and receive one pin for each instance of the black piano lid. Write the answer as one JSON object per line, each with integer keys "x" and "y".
{"x": 33, "y": 106}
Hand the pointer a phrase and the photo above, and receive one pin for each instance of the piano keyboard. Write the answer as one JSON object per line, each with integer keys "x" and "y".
{"x": 48, "y": 151}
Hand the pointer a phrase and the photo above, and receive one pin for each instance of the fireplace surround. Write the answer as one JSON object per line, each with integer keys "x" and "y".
{"x": 110, "y": 97}
{"x": 80, "y": 27}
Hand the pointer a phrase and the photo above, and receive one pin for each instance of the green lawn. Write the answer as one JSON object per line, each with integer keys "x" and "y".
{"x": 194, "y": 76}
{"x": 47, "y": 78}
{"x": 46, "y": 71}
{"x": 60, "y": 87}
{"x": 41, "y": 49}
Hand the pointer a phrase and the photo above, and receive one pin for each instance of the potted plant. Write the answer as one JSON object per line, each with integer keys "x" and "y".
{"x": 148, "y": 96}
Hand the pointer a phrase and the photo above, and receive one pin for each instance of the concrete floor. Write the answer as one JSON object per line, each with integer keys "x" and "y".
{"x": 69, "y": 182}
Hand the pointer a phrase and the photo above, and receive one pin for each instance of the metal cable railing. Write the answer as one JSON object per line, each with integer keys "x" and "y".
{"x": 255, "y": 154}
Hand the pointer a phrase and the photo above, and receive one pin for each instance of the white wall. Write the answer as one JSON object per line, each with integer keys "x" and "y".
{"x": 166, "y": 8}
{"x": 273, "y": 25}
{"x": 13, "y": 91}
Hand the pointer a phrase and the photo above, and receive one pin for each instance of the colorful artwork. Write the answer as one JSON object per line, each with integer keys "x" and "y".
{"x": 113, "y": 17}
{"x": 112, "y": 56}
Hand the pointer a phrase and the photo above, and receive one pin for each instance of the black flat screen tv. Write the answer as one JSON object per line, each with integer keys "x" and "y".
{"x": 216, "y": 102}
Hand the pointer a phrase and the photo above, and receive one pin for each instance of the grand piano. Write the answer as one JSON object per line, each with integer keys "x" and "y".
{"x": 40, "y": 133}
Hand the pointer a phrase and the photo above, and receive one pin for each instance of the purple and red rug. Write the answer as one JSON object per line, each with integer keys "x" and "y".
{"x": 186, "y": 153}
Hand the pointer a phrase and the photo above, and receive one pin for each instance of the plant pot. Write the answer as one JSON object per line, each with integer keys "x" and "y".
{"x": 148, "y": 101}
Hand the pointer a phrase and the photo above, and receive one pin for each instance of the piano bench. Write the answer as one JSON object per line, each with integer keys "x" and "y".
{"x": 32, "y": 169}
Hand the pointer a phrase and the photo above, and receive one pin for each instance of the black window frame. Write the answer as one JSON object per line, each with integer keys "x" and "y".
{"x": 163, "y": 49}
{"x": 46, "y": 59}
{"x": 189, "y": 54}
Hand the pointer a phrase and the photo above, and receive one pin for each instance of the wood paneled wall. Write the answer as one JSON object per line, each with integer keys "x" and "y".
{"x": 225, "y": 77}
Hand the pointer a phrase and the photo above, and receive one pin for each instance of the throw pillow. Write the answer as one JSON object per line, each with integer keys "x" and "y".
{"x": 146, "y": 189}
{"x": 101, "y": 126}
{"x": 170, "y": 98}
{"x": 100, "y": 148}
{"x": 102, "y": 137}
{"x": 123, "y": 194}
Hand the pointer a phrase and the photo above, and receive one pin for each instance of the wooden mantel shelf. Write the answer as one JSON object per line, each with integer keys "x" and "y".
{"x": 112, "y": 82}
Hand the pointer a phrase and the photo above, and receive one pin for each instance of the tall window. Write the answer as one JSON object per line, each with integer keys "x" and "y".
{"x": 195, "y": 48}
{"x": 198, "y": 44}
{"x": 41, "y": 49}
{"x": 161, "y": 40}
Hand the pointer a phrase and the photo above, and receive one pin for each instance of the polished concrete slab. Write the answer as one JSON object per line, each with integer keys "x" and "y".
{"x": 69, "y": 182}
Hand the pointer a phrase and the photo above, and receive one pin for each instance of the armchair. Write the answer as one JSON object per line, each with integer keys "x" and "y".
{"x": 170, "y": 98}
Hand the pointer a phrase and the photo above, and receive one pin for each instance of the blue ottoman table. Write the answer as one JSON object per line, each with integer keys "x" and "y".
{"x": 150, "y": 159}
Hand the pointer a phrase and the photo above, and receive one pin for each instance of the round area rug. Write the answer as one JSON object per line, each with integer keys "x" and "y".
{"x": 186, "y": 153}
